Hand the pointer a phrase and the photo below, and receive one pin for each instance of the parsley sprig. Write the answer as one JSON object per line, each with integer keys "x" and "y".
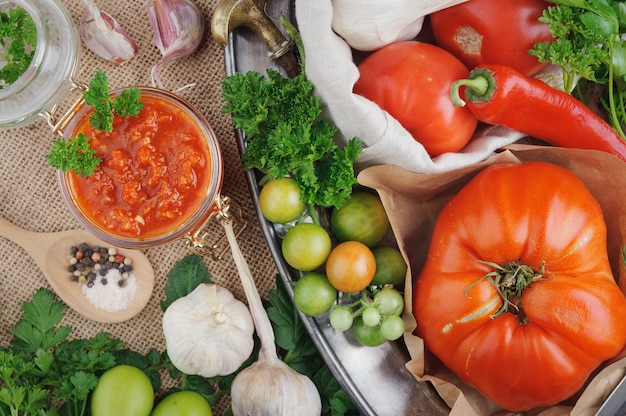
{"x": 105, "y": 108}
{"x": 588, "y": 44}
{"x": 42, "y": 368}
{"x": 285, "y": 135}
{"x": 75, "y": 153}
{"x": 18, "y": 40}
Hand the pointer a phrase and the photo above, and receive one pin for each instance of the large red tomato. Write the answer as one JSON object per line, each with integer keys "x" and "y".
{"x": 411, "y": 80}
{"x": 493, "y": 32}
{"x": 534, "y": 233}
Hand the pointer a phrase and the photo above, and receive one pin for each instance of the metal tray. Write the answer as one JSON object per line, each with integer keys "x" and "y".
{"x": 375, "y": 378}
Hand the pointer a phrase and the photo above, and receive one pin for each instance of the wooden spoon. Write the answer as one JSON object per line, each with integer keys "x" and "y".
{"x": 50, "y": 252}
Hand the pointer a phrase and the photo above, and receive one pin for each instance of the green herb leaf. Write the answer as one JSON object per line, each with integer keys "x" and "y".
{"x": 98, "y": 91}
{"x": 73, "y": 154}
{"x": 127, "y": 103}
{"x": 18, "y": 40}
{"x": 102, "y": 117}
{"x": 78, "y": 385}
{"x": 38, "y": 327}
{"x": 334, "y": 399}
{"x": 184, "y": 277}
{"x": 97, "y": 96}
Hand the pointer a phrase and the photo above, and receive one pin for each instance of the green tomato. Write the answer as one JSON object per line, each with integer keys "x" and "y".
{"x": 389, "y": 301}
{"x": 390, "y": 266}
{"x": 123, "y": 390}
{"x": 371, "y": 316}
{"x": 392, "y": 327}
{"x": 361, "y": 218}
{"x": 183, "y": 403}
{"x": 313, "y": 294}
{"x": 306, "y": 246}
{"x": 369, "y": 336}
{"x": 280, "y": 200}
{"x": 341, "y": 318}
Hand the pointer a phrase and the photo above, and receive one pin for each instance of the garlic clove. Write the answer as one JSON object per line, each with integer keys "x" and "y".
{"x": 273, "y": 389}
{"x": 104, "y": 36}
{"x": 367, "y": 25}
{"x": 178, "y": 27}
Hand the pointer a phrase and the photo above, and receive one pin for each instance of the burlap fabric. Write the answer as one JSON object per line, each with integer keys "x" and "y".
{"x": 30, "y": 196}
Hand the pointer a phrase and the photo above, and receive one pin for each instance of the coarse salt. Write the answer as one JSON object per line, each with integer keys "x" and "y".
{"x": 111, "y": 297}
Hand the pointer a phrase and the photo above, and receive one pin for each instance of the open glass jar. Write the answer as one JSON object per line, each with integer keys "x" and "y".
{"x": 159, "y": 179}
{"x": 55, "y": 59}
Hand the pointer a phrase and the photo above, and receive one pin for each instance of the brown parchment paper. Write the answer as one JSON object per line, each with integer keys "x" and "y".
{"x": 413, "y": 202}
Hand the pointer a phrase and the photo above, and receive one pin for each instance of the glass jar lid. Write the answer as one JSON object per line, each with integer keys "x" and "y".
{"x": 54, "y": 61}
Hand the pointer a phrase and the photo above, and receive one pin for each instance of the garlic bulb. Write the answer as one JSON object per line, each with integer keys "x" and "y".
{"x": 208, "y": 332}
{"x": 367, "y": 25}
{"x": 254, "y": 391}
{"x": 104, "y": 36}
{"x": 178, "y": 27}
{"x": 269, "y": 387}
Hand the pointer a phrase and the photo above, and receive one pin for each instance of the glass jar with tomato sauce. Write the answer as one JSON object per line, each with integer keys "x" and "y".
{"x": 159, "y": 178}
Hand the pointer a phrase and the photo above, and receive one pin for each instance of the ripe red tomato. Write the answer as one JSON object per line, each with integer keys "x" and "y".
{"x": 493, "y": 32}
{"x": 411, "y": 81}
{"x": 540, "y": 346}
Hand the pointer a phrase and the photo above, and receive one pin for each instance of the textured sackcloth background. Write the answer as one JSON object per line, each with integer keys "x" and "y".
{"x": 30, "y": 196}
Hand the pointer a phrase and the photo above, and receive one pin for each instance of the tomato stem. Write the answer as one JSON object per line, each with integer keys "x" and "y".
{"x": 510, "y": 281}
{"x": 313, "y": 213}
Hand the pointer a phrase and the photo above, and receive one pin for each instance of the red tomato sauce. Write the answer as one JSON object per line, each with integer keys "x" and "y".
{"x": 155, "y": 171}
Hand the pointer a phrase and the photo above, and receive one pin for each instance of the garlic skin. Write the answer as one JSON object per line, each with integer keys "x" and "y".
{"x": 178, "y": 27}
{"x": 208, "y": 332}
{"x": 367, "y": 25}
{"x": 104, "y": 36}
{"x": 273, "y": 389}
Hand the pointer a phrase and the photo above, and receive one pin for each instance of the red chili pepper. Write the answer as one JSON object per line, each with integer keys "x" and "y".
{"x": 500, "y": 95}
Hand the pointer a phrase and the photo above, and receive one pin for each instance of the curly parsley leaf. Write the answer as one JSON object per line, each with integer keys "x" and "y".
{"x": 127, "y": 104}
{"x": 576, "y": 48}
{"x": 102, "y": 117}
{"x": 588, "y": 44}
{"x": 105, "y": 107}
{"x": 18, "y": 39}
{"x": 74, "y": 154}
{"x": 285, "y": 135}
{"x": 98, "y": 91}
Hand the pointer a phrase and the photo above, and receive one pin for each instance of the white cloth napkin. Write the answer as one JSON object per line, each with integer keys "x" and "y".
{"x": 330, "y": 68}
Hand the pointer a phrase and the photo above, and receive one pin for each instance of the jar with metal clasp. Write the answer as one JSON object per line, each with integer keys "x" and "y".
{"x": 161, "y": 173}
